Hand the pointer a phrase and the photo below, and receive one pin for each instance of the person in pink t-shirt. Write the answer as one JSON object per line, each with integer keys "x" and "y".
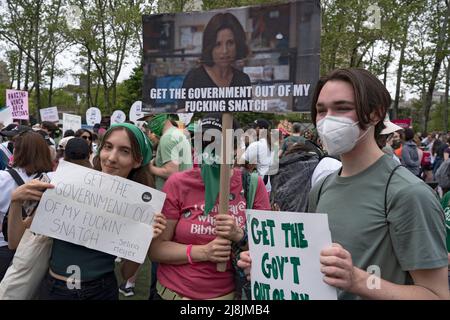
{"x": 189, "y": 249}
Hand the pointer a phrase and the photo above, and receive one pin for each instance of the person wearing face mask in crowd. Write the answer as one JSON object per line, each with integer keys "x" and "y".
{"x": 379, "y": 213}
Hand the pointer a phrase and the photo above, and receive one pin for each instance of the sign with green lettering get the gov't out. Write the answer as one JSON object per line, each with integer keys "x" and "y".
{"x": 285, "y": 250}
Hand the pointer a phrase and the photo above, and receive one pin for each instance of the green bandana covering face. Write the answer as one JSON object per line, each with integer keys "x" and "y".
{"x": 156, "y": 124}
{"x": 144, "y": 142}
{"x": 210, "y": 171}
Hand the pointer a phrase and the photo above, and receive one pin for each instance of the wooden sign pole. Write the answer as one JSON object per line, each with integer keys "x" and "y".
{"x": 224, "y": 191}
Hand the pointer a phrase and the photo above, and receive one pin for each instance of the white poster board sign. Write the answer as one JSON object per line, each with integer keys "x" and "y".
{"x": 99, "y": 211}
{"x": 285, "y": 250}
{"x": 93, "y": 116}
{"x": 71, "y": 121}
{"x": 6, "y": 116}
{"x": 118, "y": 116}
{"x": 49, "y": 114}
{"x": 135, "y": 111}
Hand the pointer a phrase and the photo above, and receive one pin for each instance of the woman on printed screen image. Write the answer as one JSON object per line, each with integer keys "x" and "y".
{"x": 224, "y": 43}
{"x": 125, "y": 151}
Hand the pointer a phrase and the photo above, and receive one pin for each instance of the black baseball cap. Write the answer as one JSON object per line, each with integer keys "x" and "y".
{"x": 76, "y": 149}
{"x": 261, "y": 123}
{"x": 13, "y": 129}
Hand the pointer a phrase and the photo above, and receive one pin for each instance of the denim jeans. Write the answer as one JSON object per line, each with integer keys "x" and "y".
{"x": 104, "y": 288}
{"x": 6, "y": 257}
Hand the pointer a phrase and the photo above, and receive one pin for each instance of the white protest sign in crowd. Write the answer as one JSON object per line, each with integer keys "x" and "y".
{"x": 99, "y": 211}
{"x": 285, "y": 250}
{"x": 71, "y": 121}
{"x": 135, "y": 111}
{"x": 118, "y": 116}
{"x": 49, "y": 114}
{"x": 93, "y": 116}
{"x": 17, "y": 100}
{"x": 6, "y": 116}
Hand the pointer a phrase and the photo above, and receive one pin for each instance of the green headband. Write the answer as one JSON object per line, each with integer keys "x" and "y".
{"x": 144, "y": 142}
{"x": 156, "y": 124}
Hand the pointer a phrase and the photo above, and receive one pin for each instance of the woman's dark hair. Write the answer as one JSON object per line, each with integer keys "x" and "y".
{"x": 69, "y": 133}
{"x": 409, "y": 134}
{"x": 32, "y": 153}
{"x": 371, "y": 96}
{"x": 142, "y": 174}
{"x": 217, "y": 23}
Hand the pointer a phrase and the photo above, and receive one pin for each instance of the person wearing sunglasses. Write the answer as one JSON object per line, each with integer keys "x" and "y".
{"x": 87, "y": 136}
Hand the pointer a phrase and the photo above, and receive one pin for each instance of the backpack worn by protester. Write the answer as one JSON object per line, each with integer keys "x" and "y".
{"x": 19, "y": 181}
{"x": 292, "y": 183}
{"x": 442, "y": 175}
{"x": 242, "y": 285}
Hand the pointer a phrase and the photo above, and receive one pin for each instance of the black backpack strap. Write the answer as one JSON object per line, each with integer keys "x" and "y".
{"x": 386, "y": 190}
{"x": 320, "y": 189}
{"x": 17, "y": 178}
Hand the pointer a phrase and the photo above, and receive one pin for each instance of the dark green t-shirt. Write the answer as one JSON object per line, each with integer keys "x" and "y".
{"x": 93, "y": 264}
{"x": 411, "y": 238}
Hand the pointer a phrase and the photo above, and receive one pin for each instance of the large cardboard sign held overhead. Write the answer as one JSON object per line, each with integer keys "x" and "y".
{"x": 266, "y": 59}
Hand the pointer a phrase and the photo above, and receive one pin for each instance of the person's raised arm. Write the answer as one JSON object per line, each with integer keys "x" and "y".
{"x": 166, "y": 170}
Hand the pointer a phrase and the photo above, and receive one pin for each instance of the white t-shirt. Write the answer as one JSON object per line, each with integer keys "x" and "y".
{"x": 259, "y": 153}
{"x": 325, "y": 167}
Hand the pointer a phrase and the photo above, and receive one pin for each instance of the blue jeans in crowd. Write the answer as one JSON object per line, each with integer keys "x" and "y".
{"x": 104, "y": 288}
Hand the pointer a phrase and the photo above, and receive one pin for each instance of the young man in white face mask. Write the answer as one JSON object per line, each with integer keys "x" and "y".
{"x": 399, "y": 232}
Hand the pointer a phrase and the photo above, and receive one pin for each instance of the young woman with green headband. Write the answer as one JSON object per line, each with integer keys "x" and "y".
{"x": 125, "y": 151}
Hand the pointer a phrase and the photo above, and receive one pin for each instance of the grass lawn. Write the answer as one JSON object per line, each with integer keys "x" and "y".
{"x": 142, "y": 282}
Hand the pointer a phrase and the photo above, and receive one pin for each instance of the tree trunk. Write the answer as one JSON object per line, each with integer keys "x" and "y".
{"x": 97, "y": 88}
{"x": 386, "y": 64}
{"x": 447, "y": 82}
{"x": 27, "y": 74}
{"x": 439, "y": 57}
{"x": 50, "y": 90}
{"x": 399, "y": 78}
{"x": 19, "y": 69}
{"x": 114, "y": 94}
{"x": 104, "y": 71}
{"x": 88, "y": 85}
{"x": 37, "y": 69}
